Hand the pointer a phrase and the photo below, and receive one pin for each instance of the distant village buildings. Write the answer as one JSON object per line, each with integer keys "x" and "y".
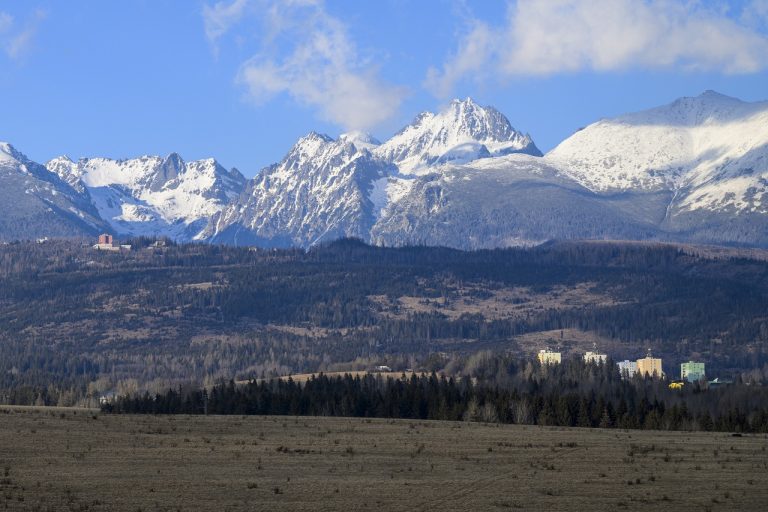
{"x": 107, "y": 243}
{"x": 650, "y": 366}
{"x": 595, "y": 357}
{"x": 627, "y": 368}
{"x": 692, "y": 371}
{"x": 547, "y": 356}
{"x": 647, "y": 366}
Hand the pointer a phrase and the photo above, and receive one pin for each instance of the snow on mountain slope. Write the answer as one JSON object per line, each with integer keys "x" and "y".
{"x": 693, "y": 170}
{"x": 361, "y": 140}
{"x": 35, "y": 203}
{"x": 464, "y": 131}
{"x": 10, "y": 156}
{"x": 326, "y": 188}
{"x": 711, "y": 150}
{"x": 322, "y": 190}
{"x": 499, "y": 202}
{"x": 151, "y": 195}
{"x": 460, "y": 178}
{"x": 387, "y": 191}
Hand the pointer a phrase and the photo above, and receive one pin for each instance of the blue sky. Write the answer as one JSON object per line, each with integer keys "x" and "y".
{"x": 241, "y": 80}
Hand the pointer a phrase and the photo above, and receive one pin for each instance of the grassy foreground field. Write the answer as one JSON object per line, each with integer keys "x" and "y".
{"x": 64, "y": 459}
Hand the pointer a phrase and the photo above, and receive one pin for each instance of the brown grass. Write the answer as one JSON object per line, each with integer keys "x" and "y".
{"x": 304, "y": 377}
{"x": 78, "y": 460}
{"x": 499, "y": 304}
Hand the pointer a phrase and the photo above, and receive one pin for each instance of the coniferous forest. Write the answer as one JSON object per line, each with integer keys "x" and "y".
{"x": 499, "y": 389}
{"x": 78, "y": 325}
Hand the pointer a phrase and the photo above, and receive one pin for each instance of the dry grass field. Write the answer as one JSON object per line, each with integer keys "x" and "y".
{"x": 79, "y": 460}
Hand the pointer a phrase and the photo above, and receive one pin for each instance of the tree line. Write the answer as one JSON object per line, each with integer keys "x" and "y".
{"x": 497, "y": 389}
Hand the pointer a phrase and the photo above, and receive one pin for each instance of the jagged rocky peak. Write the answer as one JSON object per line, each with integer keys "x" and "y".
{"x": 63, "y": 166}
{"x": 461, "y": 132}
{"x": 307, "y": 147}
{"x": 481, "y": 123}
{"x": 67, "y": 170}
{"x": 315, "y": 151}
{"x": 152, "y": 195}
{"x": 694, "y": 169}
{"x": 169, "y": 169}
{"x": 319, "y": 191}
{"x": 10, "y": 153}
{"x": 312, "y": 142}
{"x": 61, "y": 160}
{"x": 173, "y": 162}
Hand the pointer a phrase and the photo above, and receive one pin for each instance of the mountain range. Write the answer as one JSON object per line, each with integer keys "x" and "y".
{"x": 695, "y": 170}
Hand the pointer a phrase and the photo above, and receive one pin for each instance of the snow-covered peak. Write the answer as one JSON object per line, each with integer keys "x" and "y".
{"x": 173, "y": 161}
{"x": 62, "y": 160}
{"x": 708, "y": 107}
{"x": 8, "y": 153}
{"x": 313, "y": 141}
{"x": 361, "y": 140}
{"x": 152, "y": 195}
{"x": 67, "y": 171}
{"x": 321, "y": 190}
{"x": 37, "y": 203}
{"x": 436, "y": 138}
{"x": 306, "y": 149}
{"x": 313, "y": 151}
{"x": 711, "y": 151}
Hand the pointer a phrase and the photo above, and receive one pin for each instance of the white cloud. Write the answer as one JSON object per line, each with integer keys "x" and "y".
{"x": 308, "y": 54}
{"x": 544, "y": 37}
{"x": 6, "y": 22}
{"x": 471, "y": 58}
{"x": 220, "y": 17}
{"x": 15, "y": 39}
{"x": 755, "y": 14}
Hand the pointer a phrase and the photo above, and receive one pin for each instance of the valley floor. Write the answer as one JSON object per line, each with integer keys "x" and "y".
{"x": 66, "y": 459}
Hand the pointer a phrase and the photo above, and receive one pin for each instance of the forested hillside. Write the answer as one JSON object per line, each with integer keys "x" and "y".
{"x": 75, "y": 322}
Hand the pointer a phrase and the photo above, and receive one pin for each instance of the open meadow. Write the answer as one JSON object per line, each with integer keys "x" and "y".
{"x": 78, "y": 459}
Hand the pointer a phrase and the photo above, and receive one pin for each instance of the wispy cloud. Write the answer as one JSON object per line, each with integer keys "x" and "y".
{"x": 309, "y": 55}
{"x": 220, "y": 17}
{"x": 545, "y": 37}
{"x": 16, "y": 38}
{"x": 755, "y": 14}
{"x": 6, "y": 22}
